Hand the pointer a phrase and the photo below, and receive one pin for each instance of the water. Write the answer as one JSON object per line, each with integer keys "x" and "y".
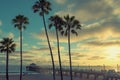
{"x": 96, "y": 68}
{"x": 14, "y": 69}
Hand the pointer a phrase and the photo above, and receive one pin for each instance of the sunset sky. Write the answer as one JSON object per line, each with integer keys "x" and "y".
{"x": 98, "y": 41}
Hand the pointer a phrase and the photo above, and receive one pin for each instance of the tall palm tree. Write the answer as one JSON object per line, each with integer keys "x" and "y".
{"x": 57, "y": 22}
{"x": 7, "y": 45}
{"x": 43, "y": 7}
{"x": 20, "y": 22}
{"x": 70, "y": 26}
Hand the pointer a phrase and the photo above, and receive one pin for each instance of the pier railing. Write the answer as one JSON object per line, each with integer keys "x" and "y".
{"x": 105, "y": 75}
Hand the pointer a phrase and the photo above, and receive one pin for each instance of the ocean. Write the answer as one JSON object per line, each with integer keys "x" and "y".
{"x": 97, "y": 68}
{"x": 16, "y": 68}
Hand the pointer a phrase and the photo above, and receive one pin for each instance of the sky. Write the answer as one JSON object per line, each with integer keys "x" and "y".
{"x": 97, "y": 43}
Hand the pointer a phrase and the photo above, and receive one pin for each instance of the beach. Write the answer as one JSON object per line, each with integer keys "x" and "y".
{"x": 30, "y": 75}
{"x": 38, "y": 77}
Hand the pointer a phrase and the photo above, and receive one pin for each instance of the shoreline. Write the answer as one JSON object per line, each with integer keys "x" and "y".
{"x": 40, "y": 77}
{"x": 18, "y": 73}
{"x": 36, "y": 77}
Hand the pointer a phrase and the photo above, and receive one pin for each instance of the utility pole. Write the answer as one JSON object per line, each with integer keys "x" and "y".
{"x": 117, "y": 67}
{"x": 104, "y": 67}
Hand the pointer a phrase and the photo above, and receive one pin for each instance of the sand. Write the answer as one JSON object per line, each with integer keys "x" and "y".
{"x": 36, "y": 77}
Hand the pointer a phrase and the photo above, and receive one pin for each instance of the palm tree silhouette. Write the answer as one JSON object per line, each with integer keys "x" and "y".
{"x": 71, "y": 25}
{"x": 57, "y": 22}
{"x": 19, "y": 22}
{"x": 7, "y": 45}
{"x": 43, "y": 7}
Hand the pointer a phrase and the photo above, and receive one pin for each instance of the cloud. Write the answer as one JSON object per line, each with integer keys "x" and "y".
{"x": 102, "y": 30}
{"x": 60, "y": 1}
{"x": 17, "y": 41}
{"x": 34, "y": 47}
{"x": 52, "y": 37}
{"x": 114, "y": 5}
{"x": 95, "y": 58}
{"x": 10, "y": 35}
{"x": 45, "y": 43}
{"x": 26, "y": 45}
{"x": 2, "y": 58}
{"x": 28, "y": 56}
{"x": 0, "y": 32}
{"x": 98, "y": 43}
{"x": 118, "y": 56}
{"x": 78, "y": 56}
{"x": 0, "y": 23}
{"x": 47, "y": 49}
{"x": 88, "y": 10}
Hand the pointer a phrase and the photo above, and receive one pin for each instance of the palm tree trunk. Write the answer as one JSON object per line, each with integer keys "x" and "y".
{"x": 49, "y": 48}
{"x": 59, "y": 54}
{"x": 70, "y": 53}
{"x": 7, "y": 58}
{"x": 20, "y": 54}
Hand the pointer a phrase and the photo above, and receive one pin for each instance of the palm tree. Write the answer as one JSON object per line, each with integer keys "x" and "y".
{"x": 19, "y": 22}
{"x": 71, "y": 25}
{"x": 43, "y": 7}
{"x": 57, "y": 22}
{"x": 7, "y": 45}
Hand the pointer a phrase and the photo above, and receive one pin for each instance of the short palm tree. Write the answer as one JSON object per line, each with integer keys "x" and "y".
{"x": 70, "y": 26}
{"x": 43, "y": 7}
{"x": 7, "y": 45}
{"x": 57, "y": 22}
{"x": 19, "y": 22}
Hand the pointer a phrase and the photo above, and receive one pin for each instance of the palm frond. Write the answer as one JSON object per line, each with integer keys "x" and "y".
{"x": 72, "y": 23}
{"x": 12, "y": 47}
{"x": 66, "y": 33}
{"x": 66, "y": 18}
{"x": 16, "y": 25}
{"x": 36, "y": 10}
{"x": 49, "y": 8}
{"x": 62, "y": 33}
{"x": 41, "y": 13}
{"x": 24, "y": 27}
{"x": 72, "y": 18}
{"x": 56, "y": 21}
{"x": 50, "y": 26}
{"x": 42, "y": 7}
{"x": 78, "y": 27}
{"x": 60, "y": 28}
{"x": 37, "y": 2}
{"x": 46, "y": 11}
{"x": 74, "y": 32}
{"x": 20, "y": 21}
{"x": 7, "y": 44}
{"x": 14, "y": 21}
{"x": 2, "y": 50}
{"x": 1, "y": 47}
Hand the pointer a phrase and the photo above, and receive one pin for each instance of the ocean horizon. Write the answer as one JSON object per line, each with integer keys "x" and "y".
{"x": 16, "y": 68}
{"x": 12, "y": 68}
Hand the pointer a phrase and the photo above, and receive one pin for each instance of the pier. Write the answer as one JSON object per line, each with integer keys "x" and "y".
{"x": 88, "y": 74}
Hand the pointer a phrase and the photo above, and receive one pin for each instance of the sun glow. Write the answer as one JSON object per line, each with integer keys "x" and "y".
{"x": 112, "y": 51}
